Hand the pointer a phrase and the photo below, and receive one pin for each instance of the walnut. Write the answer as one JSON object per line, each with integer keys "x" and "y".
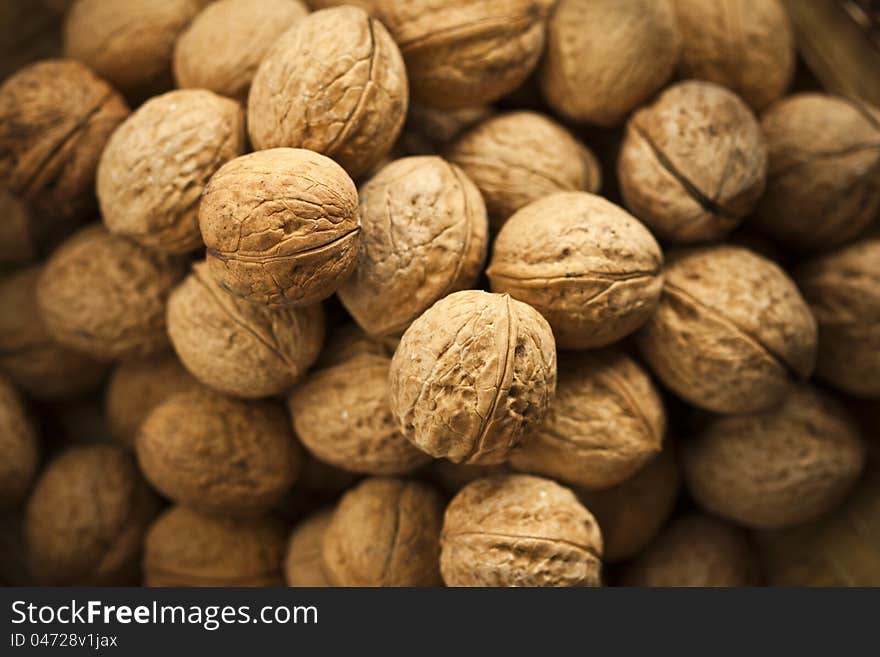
{"x": 452, "y": 477}
{"x": 778, "y": 468}
{"x": 607, "y": 57}
{"x": 105, "y": 295}
{"x": 156, "y": 165}
{"x": 19, "y": 243}
{"x": 237, "y": 347}
{"x": 428, "y": 131}
{"x": 86, "y": 518}
{"x": 19, "y": 444}
{"x": 303, "y": 563}
{"x": 471, "y": 375}
{"x": 348, "y": 340}
{"x": 222, "y": 48}
{"x": 281, "y": 226}
{"x": 334, "y": 83}
{"x": 693, "y": 164}
{"x": 731, "y": 331}
{"x": 424, "y": 234}
{"x": 519, "y": 530}
{"x": 586, "y": 265}
{"x": 385, "y": 532}
{"x": 520, "y": 157}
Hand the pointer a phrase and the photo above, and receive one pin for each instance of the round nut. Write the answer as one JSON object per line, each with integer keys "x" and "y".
{"x": 778, "y": 468}
{"x": 156, "y": 165}
{"x": 385, "y": 532}
{"x": 471, "y": 375}
{"x": 303, "y": 563}
{"x": 586, "y": 265}
{"x": 693, "y": 164}
{"x": 19, "y": 445}
{"x": 281, "y": 226}
{"x": 424, "y": 234}
{"x": 237, "y": 347}
{"x": 730, "y": 332}
{"x": 519, "y": 530}
{"x": 346, "y": 95}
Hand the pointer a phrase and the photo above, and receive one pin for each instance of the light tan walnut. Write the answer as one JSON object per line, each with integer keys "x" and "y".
{"x": 303, "y": 563}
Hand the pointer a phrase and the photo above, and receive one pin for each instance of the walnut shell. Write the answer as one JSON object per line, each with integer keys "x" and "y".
{"x": 778, "y": 468}
{"x": 428, "y": 131}
{"x": 303, "y": 563}
{"x": 592, "y": 270}
{"x": 424, "y": 234}
{"x": 385, "y": 532}
{"x": 696, "y": 550}
{"x": 20, "y": 448}
{"x": 35, "y": 362}
{"x": 187, "y": 548}
{"x": 281, "y": 226}
{"x": 606, "y": 422}
{"x": 55, "y": 117}
{"x": 606, "y": 57}
{"x": 693, "y": 164}
{"x": 519, "y": 530}
{"x": 471, "y": 375}
{"x": 334, "y": 83}
{"x": 237, "y": 347}
{"x": 730, "y": 332}
{"x": 86, "y": 518}
{"x": 105, "y": 295}
{"x": 223, "y": 46}
{"x": 824, "y": 167}
{"x": 156, "y": 165}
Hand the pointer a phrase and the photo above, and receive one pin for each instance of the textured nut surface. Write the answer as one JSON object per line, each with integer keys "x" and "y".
{"x": 19, "y": 446}
{"x": 105, "y": 295}
{"x": 55, "y": 117}
{"x": 424, "y": 234}
{"x": 156, "y": 165}
{"x": 86, "y": 518}
{"x": 606, "y": 421}
{"x": 471, "y": 375}
{"x": 223, "y": 46}
{"x": 606, "y": 57}
{"x": 187, "y": 548}
{"x": 592, "y": 270}
{"x": 303, "y": 563}
{"x": 520, "y": 157}
{"x": 385, "y": 532}
{"x": 779, "y": 468}
{"x": 693, "y": 164}
{"x": 334, "y": 83}
{"x": 519, "y": 530}
{"x": 730, "y": 332}
{"x": 696, "y": 550}
{"x": 281, "y": 226}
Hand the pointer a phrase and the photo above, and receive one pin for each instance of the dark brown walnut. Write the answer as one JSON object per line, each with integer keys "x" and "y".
{"x": 86, "y": 519}
{"x": 223, "y": 46}
{"x": 693, "y": 164}
{"x": 55, "y": 117}
{"x": 606, "y": 422}
{"x": 472, "y": 375}
{"x": 520, "y": 157}
{"x": 385, "y": 532}
{"x": 105, "y": 295}
{"x": 695, "y": 550}
{"x": 341, "y": 415}
{"x": 317, "y": 486}
{"x": 348, "y": 340}
{"x": 606, "y": 57}
{"x": 632, "y": 513}
{"x": 238, "y": 347}
{"x": 586, "y": 265}
{"x": 187, "y": 548}
{"x": 843, "y": 290}
{"x": 281, "y": 226}
{"x": 303, "y": 563}
{"x": 824, "y": 168}
{"x": 129, "y": 43}
{"x": 156, "y": 165}
{"x": 452, "y": 477}
{"x": 424, "y": 234}
{"x": 731, "y": 331}
{"x": 19, "y": 446}
{"x": 29, "y": 356}
{"x": 428, "y": 131}
{"x": 18, "y": 241}
{"x": 334, "y": 83}
{"x": 218, "y": 455}
{"x": 779, "y": 468}
{"x": 519, "y": 530}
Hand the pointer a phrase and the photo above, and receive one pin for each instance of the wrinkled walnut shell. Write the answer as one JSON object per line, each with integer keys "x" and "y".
{"x": 19, "y": 446}
{"x": 303, "y": 563}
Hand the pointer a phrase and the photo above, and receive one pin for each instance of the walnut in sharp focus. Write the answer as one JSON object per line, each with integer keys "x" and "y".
{"x": 303, "y": 562}
{"x": 20, "y": 448}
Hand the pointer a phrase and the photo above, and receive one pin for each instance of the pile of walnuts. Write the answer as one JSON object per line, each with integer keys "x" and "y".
{"x": 462, "y": 292}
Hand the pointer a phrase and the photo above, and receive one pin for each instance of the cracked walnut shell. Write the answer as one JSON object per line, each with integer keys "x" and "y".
{"x": 303, "y": 562}
{"x": 19, "y": 445}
